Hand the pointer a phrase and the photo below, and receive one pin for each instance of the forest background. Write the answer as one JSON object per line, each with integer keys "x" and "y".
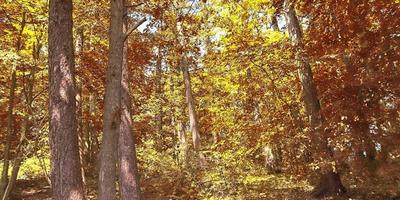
{"x": 251, "y": 99}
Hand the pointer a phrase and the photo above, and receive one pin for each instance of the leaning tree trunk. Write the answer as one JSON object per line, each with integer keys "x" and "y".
{"x": 128, "y": 172}
{"x": 194, "y": 128}
{"x": 16, "y": 166}
{"x": 330, "y": 182}
{"x": 112, "y": 109}
{"x": 66, "y": 179}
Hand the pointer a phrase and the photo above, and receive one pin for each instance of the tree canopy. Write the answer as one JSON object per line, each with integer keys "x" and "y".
{"x": 210, "y": 99}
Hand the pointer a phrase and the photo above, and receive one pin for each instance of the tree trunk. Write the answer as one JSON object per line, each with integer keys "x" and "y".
{"x": 94, "y": 143}
{"x": 112, "y": 103}
{"x": 15, "y": 170}
{"x": 66, "y": 179}
{"x": 183, "y": 145}
{"x": 10, "y": 119}
{"x": 13, "y": 179}
{"x": 330, "y": 182}
{"x": 191, "y": 106}
{"x": 159, "y": 91}
{"x": 10, "y": 114}
{"x": 28, "y": 93}
{"x": 80, "y": 100}
{"x": 128, "y": 172}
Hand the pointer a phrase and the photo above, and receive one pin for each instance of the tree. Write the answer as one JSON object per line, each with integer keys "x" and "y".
{"x": 128, "y": 172}
{"x": 66, "y": 176}
{"x": 194, "y": 127}
{"x": 10, "y": 114}
{"x": 330, "y": 182}
{"x": 112, "y": 104}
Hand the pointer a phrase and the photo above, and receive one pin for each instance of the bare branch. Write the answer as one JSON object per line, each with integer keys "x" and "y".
{"x": 134, "y": 28}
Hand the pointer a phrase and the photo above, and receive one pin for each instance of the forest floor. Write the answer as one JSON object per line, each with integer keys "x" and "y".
{"x": 165, "y": 188}
{"x": 224, "y": 178}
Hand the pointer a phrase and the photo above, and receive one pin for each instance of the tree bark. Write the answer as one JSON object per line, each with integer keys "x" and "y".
{"x": 330, "y": 182}
{"x": 112, "y": 109}
{"x": 66, "y": 179}
{"x": 128, "y": 172}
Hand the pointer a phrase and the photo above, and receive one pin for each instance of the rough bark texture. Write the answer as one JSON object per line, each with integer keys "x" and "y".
{"x": 112, "y": 109}
{"x": 191, "y": 106}
{"x": 128, "y": 172}
{"x": 66, "y": 177}
{"x": 330, "y": 183}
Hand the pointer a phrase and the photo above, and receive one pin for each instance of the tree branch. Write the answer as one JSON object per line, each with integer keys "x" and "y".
{"x": 135, "y": 5}
{"x": 134, "y": 28}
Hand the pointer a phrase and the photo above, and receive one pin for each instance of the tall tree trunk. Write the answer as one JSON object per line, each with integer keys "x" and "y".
{"x": 66, "y": 179}
{"x": 112, "y": 105}
{"x": 330, "y": 182}
{"x": 80, "y": 100}
{"x": 194, "y": 128}
{"x": 128, "y": 172}
{"x": 159, "y": 91}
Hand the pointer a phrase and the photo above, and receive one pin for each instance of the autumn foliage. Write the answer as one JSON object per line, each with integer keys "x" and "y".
{"x": 255, "y": 132}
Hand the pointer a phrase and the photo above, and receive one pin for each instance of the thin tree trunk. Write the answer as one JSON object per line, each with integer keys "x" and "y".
{"x": 13, "y": 178}
{"x": 15, "y": 169}
{"x": 28, "y": 92}
{"x": 128, "y": 172}
{"x": 159, "y": 91}
{"x": 94, "y": 143}
{"x": 191, "y": 106}
{"x": 10, "y": 119}
{"x": 80, "y": 103}
{"x": 112, "y": 105}
{"x": 10, "y": 114}
{"x": 330, "y": 182}
{"x": 66, "y": 179}
{"x": 80, "y": 100}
